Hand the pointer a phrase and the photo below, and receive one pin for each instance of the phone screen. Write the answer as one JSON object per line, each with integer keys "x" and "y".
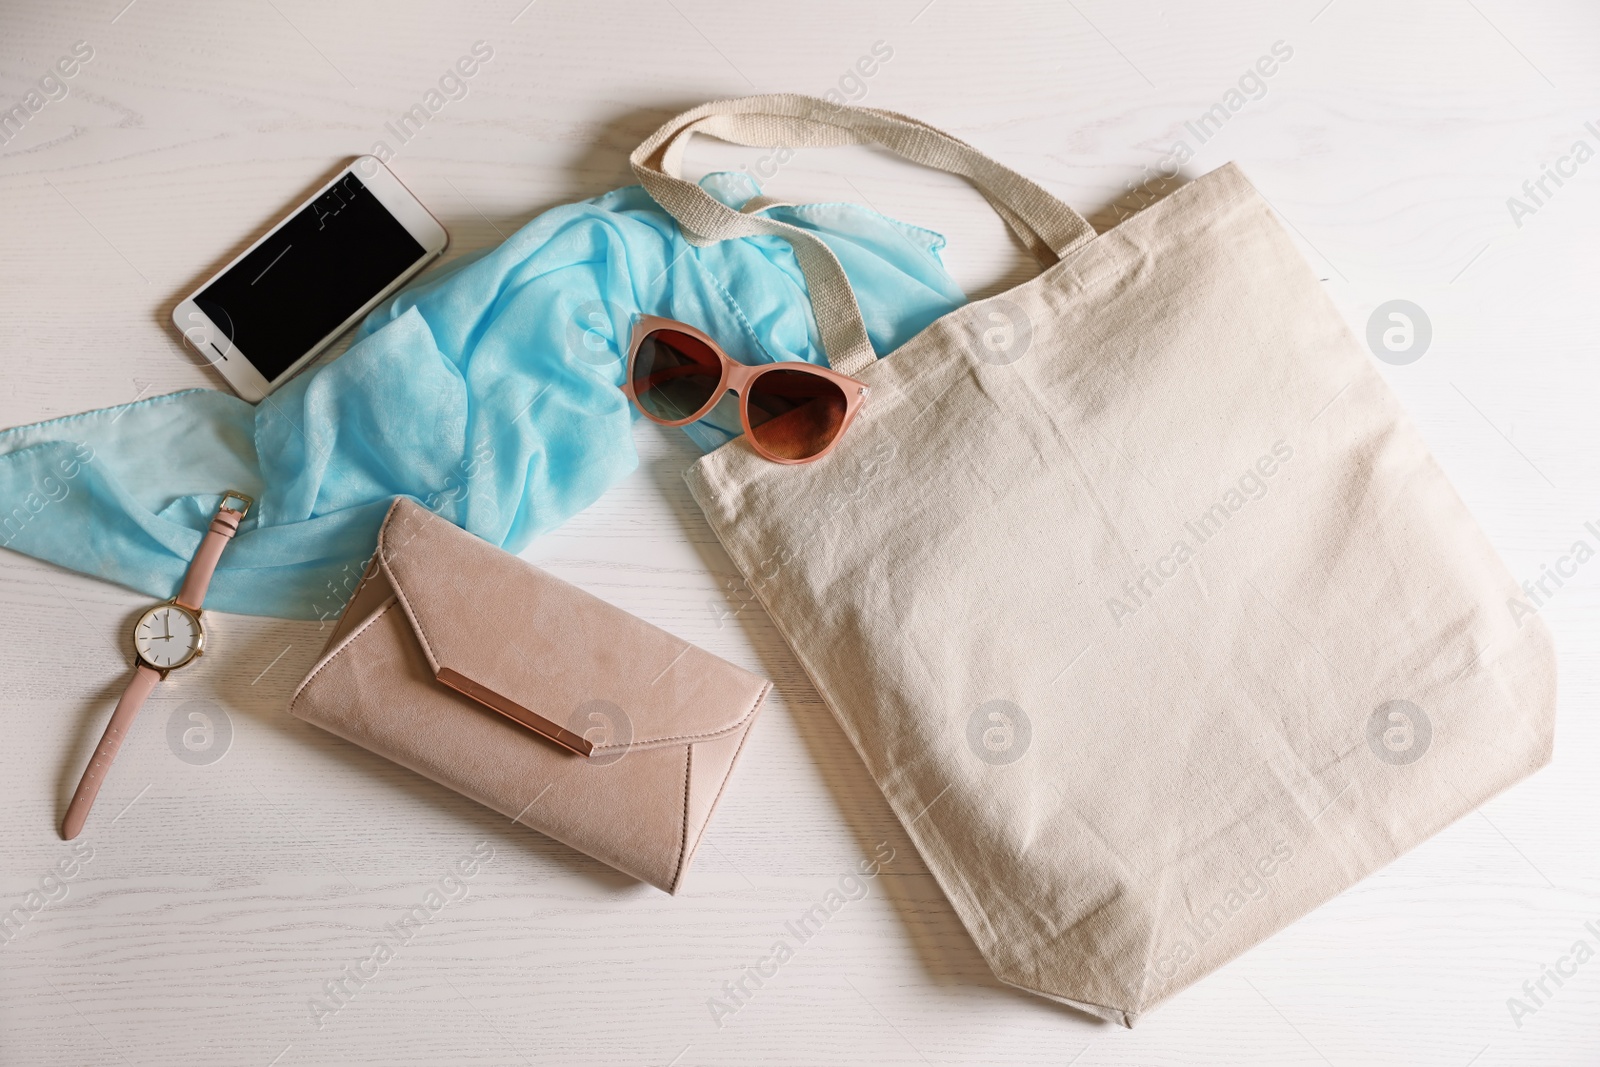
{"x": 303, "y": 281}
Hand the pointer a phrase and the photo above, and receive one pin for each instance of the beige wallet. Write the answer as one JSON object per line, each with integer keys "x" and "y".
{"x": 489, "y": 676}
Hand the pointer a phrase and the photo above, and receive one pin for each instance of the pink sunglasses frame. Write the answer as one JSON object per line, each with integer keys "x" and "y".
{"x": 738, "y": 377}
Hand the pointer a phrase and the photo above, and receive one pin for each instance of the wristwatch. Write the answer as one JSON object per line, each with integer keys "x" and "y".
{"x": 166, "y": 637}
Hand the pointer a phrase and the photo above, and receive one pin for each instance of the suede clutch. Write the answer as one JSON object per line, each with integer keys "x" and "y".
{"x": 480, "y": 671}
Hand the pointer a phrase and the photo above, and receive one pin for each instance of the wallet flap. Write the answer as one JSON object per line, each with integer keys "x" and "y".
{"x": 567, "y": 656}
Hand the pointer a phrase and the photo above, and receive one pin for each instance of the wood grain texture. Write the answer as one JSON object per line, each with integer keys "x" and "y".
{"x": 221, "y": 899}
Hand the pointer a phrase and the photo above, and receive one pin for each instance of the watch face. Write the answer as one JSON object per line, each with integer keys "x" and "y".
{"x": 167, "y": 636}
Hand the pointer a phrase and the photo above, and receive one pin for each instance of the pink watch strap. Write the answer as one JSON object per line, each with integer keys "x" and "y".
{"x": 193, "y": 594}
{"x": 223, "y": 526}
{"x": 133, "y": 698}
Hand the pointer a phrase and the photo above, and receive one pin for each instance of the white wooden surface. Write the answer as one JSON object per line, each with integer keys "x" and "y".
{"x": 221, "y": 898}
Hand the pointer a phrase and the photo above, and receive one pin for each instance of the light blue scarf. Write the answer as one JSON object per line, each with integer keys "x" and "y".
{"x": 488, "y": 392}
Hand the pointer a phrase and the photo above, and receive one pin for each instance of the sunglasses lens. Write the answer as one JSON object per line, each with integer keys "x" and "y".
{"x": 674, "y": 375}
{"x": 794, "y": 414}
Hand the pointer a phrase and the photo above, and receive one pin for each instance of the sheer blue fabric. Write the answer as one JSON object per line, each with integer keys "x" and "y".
{"x": 488, "y": 391}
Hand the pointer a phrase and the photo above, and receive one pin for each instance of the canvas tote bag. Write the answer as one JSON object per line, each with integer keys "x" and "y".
{"x": 1135, "y": 589}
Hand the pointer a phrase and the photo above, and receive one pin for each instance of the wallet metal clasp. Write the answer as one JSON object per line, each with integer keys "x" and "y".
{"x": 515, "y": 712}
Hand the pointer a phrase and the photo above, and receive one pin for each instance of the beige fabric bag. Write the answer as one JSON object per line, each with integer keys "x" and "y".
{"x": 1139, "y": 595}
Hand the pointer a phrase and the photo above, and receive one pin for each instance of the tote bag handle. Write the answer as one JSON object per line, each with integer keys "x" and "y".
{"x": 1049, "y": 228}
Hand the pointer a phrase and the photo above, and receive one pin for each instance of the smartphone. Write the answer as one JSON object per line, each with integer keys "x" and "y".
{"x": 288, "y": 296}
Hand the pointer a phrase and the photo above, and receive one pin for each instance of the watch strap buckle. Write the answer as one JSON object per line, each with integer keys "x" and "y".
{"x": 234, "y": 494}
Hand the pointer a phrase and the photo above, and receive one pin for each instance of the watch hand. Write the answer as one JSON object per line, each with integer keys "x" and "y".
{"x": 166, "y": 625}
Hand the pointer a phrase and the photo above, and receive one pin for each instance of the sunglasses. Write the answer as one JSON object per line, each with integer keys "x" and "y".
{"x": 792, "y": 412}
